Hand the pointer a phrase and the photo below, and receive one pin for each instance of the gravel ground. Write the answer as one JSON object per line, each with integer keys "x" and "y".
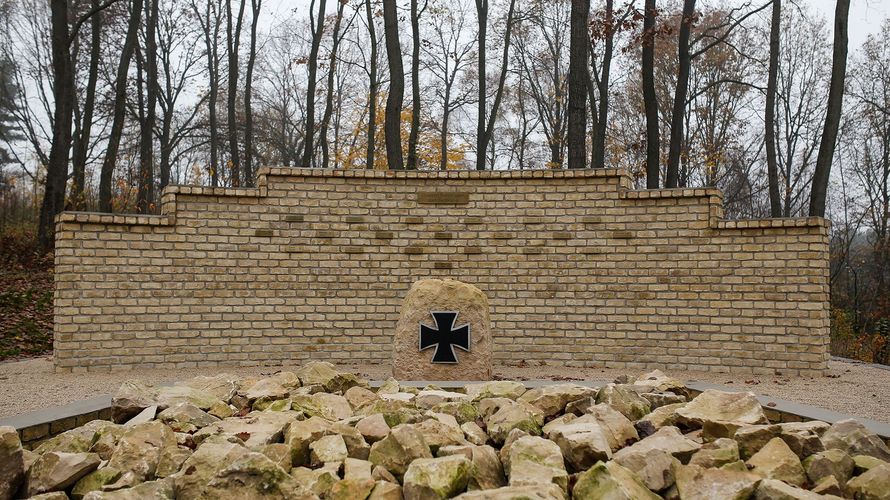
{"x": 852, "y": 388}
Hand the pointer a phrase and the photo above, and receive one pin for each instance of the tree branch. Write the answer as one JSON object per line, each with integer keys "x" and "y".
{"x": 86, "y": 17}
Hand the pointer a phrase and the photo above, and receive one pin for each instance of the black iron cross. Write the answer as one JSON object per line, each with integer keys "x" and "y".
{"x": 444, "y": 338}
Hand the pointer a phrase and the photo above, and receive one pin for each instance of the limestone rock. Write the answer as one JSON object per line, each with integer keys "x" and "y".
{"x": 611, "y": 480}
{"x": 211, "y": 456}
{"x": 279, "y": 453}
{"x": 657, "y": 400}
{"x": 863, "y": 463}
{"x": 266, "y": 389}
{"x": 535, "y": 461}
{"x": 495, "y": 389}
{"x": 854, "y": 438}
{"x": 668, "y": 439}
{"x": 394, "y": 412}
{"x": 255, "y": 429}
{"x": 658, "y": 381}
{"x": 349, "y": 489}
{"x": 398, "y": 449}
{"x": 53, "y": 495}
{"x": 751, "y": 438}
{"x": 721, "y": 413}
{"x": 552, "y": 399}
{"x": 12, "y": 462}
{"x": 185, "y": 417}
{"x": 582, "y": 441}
{"x": 804, "y": 438}
{"x": 385, "y": 490}
{"x": 326, "y": 375}
{"x": 357, "y": 396}
{"x": 716, "y": 453}
{"x": 431, "y": 398}
{"x": 436, "y": 478}
{"x": 356, "y": 446}
{"x": 301, "y": 434}
{"x": 222, "y": 386}
{"x": 619, "y": 431}
{"x": 772, "y": 489}
{"x": 472, "y": 308}
{"x": 353, "y": 468}
{"x": 141, "y": 449}
{"x": 473, "y": 433}
{"x": 487, "y": 471}
{"x": 659, "y": 417}
{"x": 94, "y": 481}
{"x": 318, "y": 481}
{"x": 872, "y": 485}
{"x": 161, "y": 489}
{"x": 56, "y": 470}
{"x": 527, "y": 492}
{"x": 462, "y": 411}
{"x": 131, "y": 398}
{"x": 328, "y": 406}
{"x": 252, "y": 475}
{"x": 77, "y": 440}
{"x": 437, "y": 434}
{"x": 621, "y": 398}
{"x": 327, "y": 449}
{"x": 288, "y": 380}
{"x": 514, "y": 415}
{"x": 826, "y": 463}
{"x": 776, "y": 461}
{"x": 697, "y": 483}
{"x": 373, "y": 427}
{"x": 829, "y": 485}
{"x": 652, "y": 458}
{"x": 105, "y": 440}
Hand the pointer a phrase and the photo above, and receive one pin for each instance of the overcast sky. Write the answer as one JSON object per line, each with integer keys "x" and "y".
{"x": 865, "y": 15}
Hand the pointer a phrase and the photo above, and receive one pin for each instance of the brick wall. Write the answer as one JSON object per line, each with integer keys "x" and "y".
{"x": 580, "y": 271}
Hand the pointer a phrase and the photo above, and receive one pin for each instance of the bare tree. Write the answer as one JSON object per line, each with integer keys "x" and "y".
{"x": 486, "y": 119}
{"x": 650, "y": 101}
{"x": 249, "y": 174}
{"x": 579, "y": 44}
{"x": 317, "y": 27}
{"x": 769, "y": 121}
{"x": 833, "y": 114}
{"x": 233, "y": 42}
{"x": 373, "y": 85}
{"x": 332, "y": 71}
{"x": 393, "y": 125}
{"x": 82, "y": 140}
{"x": 211, "y": 22}
{"x": 685, "y": 62}
{"x": 145, "y": 195}
{"x": 416, "y": 12}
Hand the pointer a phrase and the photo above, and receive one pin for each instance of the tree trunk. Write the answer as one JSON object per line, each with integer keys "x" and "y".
{"x": 833, "y": 116}
{"x": 488, "y": 133}
{"x": 769, "y": 119}
{"x": 579, "y": 41}
{"x": 233, "y": 42}
{"x": 415, "y": 86}
{"x": 63, "y": 92}
{"x": 684, "y": 64}
{"x": 393, "y": 126}
{"x": 249, "y": 174}
{"x": 602, "y": 123}
{"x": 372, "y": 92}
{"x": 317, "y": 32}
{"x": 482, "y": 15}
{"x": 329, "y": 99}
{"x": 82, "y": 144}
{"x": 119, "y": 108}
{"x": 145, "y": 194}
{"x": 650, "y": 101}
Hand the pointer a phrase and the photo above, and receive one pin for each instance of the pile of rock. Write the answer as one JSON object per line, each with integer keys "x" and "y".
{"x": 320, "y": 433}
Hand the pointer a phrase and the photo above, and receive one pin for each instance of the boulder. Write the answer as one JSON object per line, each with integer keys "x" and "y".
{"x": 327, "y": 449}
{"x": 394, "y": 412}
{"x": 430, "y": 398}
{"x": 222, "y": 386}
{"x": 668, "y": 439}
{"x": 94, "y": 481}
{"x": 328, "y": 406}
{"x": 357, "y": 396}
{"x": 288, "y": 380}
{"x": 326, "y": 375}
{"x": 77, "y": 440}
{"x": 462, "y": 411}
{"x": 582, "y": 441}
{"x": 873, "y": 484}
{"x": 619, "y": 431}
{"x": 513, "y": 415}
{"x": 751, "y": 438}
{"x": 495, "y": 389}
{"x": 186, "y": 417}
{"x": 398, "y": 449}
{"x": 141, "y": 449}
{"x": 210, "y": 457}
{"x": 826, "y": 463}
{"x": 354, "y": 468}
{"x": 657, "y": 381}
{"x": 278, "y": 453}
{"x": 349, "y": 489}
{"x": 437, "y": 434}
{"x": 804, "y": 438}
{"x": 55, "y": 471}
{"x": 318, "y": 481}
{"x": 473, "y": 433}
{"x": 265, "y": 389}
{"x": 161, "y": 489}
{"x": 535, "y": 461}
{"x": 356, "y": 446}
{"x": 829, "y": 485}
{"x": 863, "y": 463}
{"x": 300, "y": 434}
{"x": 776, "y": 461}
{"x": 471, "y": 306}
{"x": 716, "y": 454}
{"x": 697, "y": 483}
{"x": 527, "y": 492}
{"x": 659, "y": 399}
{"x": 12, "y": 462}
{"x": 385, "y": 490}
{"x": 772, "y": 489}
{"x": 487, "y": 471}
{"x": 652, "y": 458}
{"x": 436, "y": 478}
{"x": 659, "y": 417}
{"x": 721, "y": 413}
{"x": 255, "y": 429}
{"x": 373, "y": 427}
{"x": 623, "y": 399}
{"x": 106, "y": 439}
{"x": 552, "y": 399}
{"x": 255, "y": 475}
{"x": 611, "y": 480}
{"x": 854, "y": 438}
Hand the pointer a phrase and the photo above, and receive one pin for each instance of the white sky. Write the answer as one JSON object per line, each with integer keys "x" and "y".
{"x": 865, "y": 15}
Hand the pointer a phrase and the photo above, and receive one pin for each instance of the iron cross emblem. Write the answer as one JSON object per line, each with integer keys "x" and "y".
{"x": 445, "y": 337}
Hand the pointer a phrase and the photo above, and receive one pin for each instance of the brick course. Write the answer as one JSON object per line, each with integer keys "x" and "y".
{"x": 313, "y": 264}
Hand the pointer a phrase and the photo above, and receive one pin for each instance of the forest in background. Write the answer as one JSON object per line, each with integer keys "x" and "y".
{"x": 743, "y": 96}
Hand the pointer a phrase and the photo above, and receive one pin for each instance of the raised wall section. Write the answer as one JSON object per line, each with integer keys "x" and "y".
{"x": 313, "y": 264}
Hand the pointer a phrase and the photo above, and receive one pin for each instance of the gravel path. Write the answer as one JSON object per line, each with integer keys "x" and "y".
{"x": 851, "y": 388}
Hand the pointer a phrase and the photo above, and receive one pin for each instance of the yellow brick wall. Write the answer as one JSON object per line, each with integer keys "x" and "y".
{"x": 313, "y": 264}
